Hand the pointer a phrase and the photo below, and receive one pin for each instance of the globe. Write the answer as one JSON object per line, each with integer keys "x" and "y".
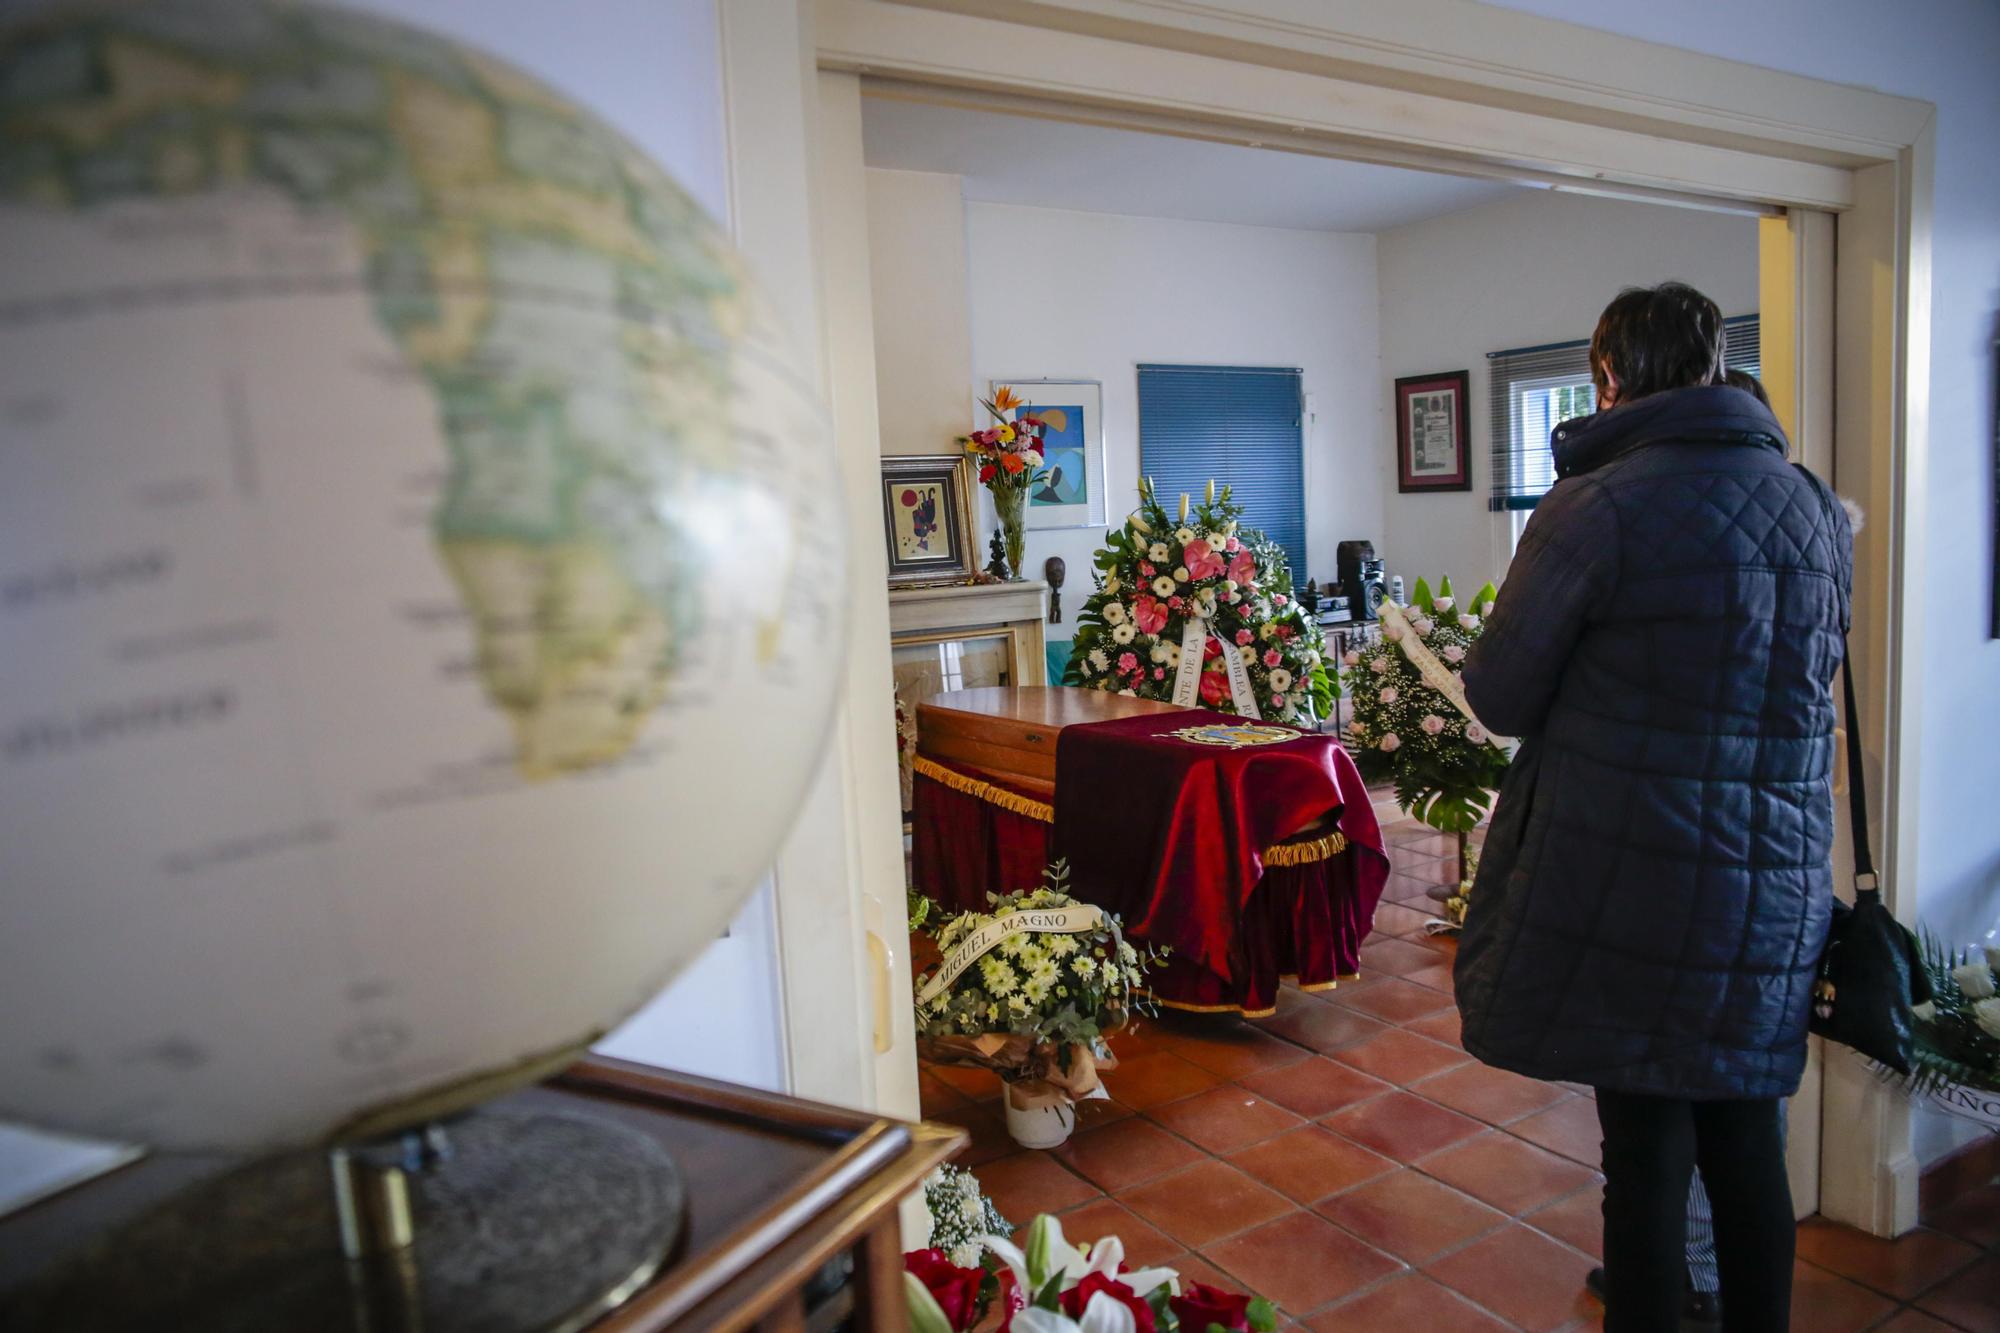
{"x": 420, "y": 581}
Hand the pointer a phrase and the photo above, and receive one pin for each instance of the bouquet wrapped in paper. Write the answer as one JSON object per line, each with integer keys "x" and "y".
{"x": 1029, "y": 990}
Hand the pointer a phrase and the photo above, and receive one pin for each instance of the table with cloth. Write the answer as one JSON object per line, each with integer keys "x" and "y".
{"x": 1251, "y": 853}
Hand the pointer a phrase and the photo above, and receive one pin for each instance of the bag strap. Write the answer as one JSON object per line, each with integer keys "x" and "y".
{"x": 1865, "y": 879}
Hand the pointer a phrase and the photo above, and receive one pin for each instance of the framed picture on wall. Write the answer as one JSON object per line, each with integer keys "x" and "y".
{"x": 1433, "y": 439}
{"x": 1071, "y": 493}
{"x": 927, "y": 518}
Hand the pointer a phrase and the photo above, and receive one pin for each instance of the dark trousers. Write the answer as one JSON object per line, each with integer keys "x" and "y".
{"x": 1651, "y": 1148}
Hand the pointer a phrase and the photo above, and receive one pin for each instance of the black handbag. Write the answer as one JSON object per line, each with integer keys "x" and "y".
{"x": 1871, "y": 973}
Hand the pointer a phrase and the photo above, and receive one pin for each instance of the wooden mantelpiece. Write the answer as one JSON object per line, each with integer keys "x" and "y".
{"x": 1015, "y": 611}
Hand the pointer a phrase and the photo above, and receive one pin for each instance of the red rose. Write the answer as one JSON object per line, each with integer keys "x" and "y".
{"x": 955, "y": 1289}
{"x": 1076, "y": 1298}
{"x": 1199, "y": 1306}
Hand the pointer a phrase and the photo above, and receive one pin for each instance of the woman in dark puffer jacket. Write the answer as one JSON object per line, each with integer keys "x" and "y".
{"x": 1655, "y": 887}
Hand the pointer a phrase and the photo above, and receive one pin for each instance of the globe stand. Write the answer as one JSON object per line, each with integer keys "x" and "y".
{"x": 501, "y": 1222}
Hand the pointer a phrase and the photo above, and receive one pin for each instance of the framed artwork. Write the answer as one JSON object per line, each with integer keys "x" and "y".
{"x": 927, "y": 518}
{"x": 1071, "y": 495}
{"x": 1433, "y": 438}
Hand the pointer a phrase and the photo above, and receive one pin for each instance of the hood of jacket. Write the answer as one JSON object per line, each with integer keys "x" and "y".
{"x": 1712, "y": 414}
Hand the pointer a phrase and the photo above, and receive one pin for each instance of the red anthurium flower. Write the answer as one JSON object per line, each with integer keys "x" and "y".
{"x": 1201, "y": 1305}
{"x": 1214, "y": 686}
{"x": 1211, "y": 648}
{"x": 1149, "y": 614}
{"x": 1077, "y": 1298}
{"x": 955, "y": 1289}
{"x": 1202, "y": 563}
{"x": 1243, "y": 569}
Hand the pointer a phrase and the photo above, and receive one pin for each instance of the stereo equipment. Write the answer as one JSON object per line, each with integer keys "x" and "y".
{"x": 1361, "y": 579}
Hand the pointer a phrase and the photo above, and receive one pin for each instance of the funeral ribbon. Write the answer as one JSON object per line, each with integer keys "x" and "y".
{"x": 1070, "y": 920}
{"x": 1187, "y": 677}
{"x": 1396, "y": 627}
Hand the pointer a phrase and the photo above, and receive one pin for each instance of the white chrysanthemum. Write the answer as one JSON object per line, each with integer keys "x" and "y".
{"x": 1084, "y": 966}
{"x": 1098, "y": 660}
{"x": 1158, "y": 553}
{"x": 998, "y": 976}
{"x": 1975, "y": 979}
{"x": 1061, "y": 946}
{"x": 1163, "y": 586}
{"x": 1159, "y": 654}
{"x": 1114, "y": 613}
{"x": 1123, "y": 634}
{"x": 1183, "y": 535}
{"x": 1281, "y": 679}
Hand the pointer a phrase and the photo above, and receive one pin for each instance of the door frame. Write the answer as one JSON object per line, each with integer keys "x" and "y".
{"x": 1476, "y": 90}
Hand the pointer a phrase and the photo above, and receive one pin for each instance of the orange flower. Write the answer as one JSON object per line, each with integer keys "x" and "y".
{"x": 1013, "y": 462}
{"x": 1004, "y": 398}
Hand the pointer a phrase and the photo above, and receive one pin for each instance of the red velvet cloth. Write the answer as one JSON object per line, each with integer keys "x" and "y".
{"x": 963, "y": 848}
{"x": 1305, "y": 921}
{"x": 1169, "y": 833}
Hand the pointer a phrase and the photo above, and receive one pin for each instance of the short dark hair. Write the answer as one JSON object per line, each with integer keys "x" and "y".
{"x": 1750, "y": 384}
{"x": 1657, "y": 338}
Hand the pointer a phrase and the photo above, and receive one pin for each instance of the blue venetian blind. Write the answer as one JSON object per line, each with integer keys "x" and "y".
{"x": 1239, "y": 425}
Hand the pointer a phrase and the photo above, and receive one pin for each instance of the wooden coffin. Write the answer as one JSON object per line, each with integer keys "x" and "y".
{"x": 1012, "y": 732}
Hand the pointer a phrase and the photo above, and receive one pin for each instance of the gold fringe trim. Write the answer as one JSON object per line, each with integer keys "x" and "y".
{"x": 1295, "y": 853}
{"x": 1306, "y": 852}
{"x": 1214, "y": 1008}
{"x": 1012, "y": 802}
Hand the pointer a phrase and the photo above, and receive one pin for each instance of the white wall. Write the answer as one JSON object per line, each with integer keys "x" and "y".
{"x": 1092, "y": 295}
{"x": 1942, "y": 51}
{"x": 1531, "y": 269}
{"x": 923, "y": 327}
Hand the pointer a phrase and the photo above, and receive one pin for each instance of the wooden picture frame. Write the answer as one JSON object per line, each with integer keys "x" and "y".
{"x": 1433, "y": 432}
{"x": 927, "y": 519}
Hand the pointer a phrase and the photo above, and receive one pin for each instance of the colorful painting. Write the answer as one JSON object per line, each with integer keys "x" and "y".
{"x": 918, "y": 510}
{"x": 927, "y": 518}
{"x": 1071, "y": 491}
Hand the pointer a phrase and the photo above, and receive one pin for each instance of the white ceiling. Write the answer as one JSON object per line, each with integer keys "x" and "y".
{"x": 1050, "y": 164}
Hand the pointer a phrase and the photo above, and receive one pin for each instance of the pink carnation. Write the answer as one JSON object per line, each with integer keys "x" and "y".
{"x": 1174, "y": 603}
{"x": 1128, "y": 662}
{"x": 1244, "y": 636}
{"x": 1272, "y": 657}
{"x": 1146, "y": 568}
{"x": 1159, "y": 673}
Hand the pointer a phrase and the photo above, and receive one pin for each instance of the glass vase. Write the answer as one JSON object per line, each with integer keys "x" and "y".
{"x": 1011, "y": 503}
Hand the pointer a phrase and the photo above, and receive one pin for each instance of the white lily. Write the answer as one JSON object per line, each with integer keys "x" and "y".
{"x": 1102, "y": 1315}
{"x": 1050, "y": 1254}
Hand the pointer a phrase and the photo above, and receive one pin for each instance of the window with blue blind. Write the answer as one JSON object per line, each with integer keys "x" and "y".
{"x": 1241, "y": 426}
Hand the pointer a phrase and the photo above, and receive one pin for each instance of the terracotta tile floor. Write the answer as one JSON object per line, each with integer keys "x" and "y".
{"x": 1346, "y": 1159}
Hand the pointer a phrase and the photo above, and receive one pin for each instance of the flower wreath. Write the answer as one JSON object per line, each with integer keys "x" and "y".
{"x": 1165, "y": 583}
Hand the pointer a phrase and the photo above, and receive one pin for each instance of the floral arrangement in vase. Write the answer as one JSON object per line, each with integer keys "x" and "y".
{"x": 1409, "y": 723}
{"x": 1196, "y": 581}
{"x": 1010, "y": 461}
{"x": 1052, "y": 1286}
{"x": 1030, "y": 990}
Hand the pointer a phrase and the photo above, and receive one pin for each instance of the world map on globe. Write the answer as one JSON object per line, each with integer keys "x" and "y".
{"x": 420, "y": 572}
